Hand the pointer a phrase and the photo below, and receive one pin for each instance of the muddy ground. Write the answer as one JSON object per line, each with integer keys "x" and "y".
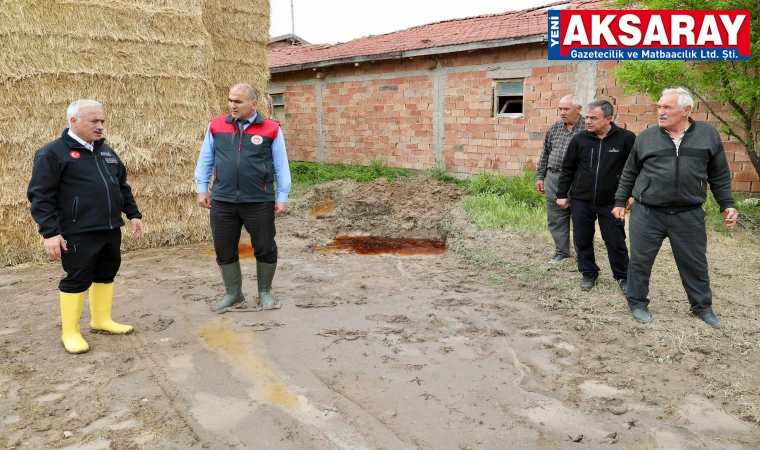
{"x": 485, "y": 347}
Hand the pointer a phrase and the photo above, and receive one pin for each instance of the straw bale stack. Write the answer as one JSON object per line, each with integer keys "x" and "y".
{"x": 239, "y": 42}
{"x": 161, "y": 68}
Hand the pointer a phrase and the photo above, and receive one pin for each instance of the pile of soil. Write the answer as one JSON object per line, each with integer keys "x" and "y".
{"x": 409, "y": 208}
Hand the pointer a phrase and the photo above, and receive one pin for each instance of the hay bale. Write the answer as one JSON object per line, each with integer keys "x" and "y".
{"x": 239, "y": 45}
{"x": 161, "y": 69}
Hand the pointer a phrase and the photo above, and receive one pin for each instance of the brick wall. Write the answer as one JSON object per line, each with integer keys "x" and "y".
{"x": 300, "y": 123}
{"x": 390, "y": 109}
{"x": 390, "y": 120}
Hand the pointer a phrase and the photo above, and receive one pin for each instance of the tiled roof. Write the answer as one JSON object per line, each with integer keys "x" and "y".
{"x": 512, "y": 24}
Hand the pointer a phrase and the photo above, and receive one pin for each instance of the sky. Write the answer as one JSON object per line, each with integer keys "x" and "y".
{"x": 332, "y": 21}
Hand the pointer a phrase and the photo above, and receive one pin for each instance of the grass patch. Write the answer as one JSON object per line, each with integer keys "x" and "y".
{"x": 307, "y": 174}
{"x": 440, "y": 174}
{"x": 500, "y": 202}
{"x": 492, "y": 211}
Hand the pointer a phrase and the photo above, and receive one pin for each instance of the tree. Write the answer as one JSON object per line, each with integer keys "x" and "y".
{"x": 735, "y": 83}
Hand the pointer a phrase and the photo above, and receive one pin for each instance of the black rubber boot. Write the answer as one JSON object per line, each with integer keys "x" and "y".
{"x": 264, "y": 275}
{"x": 642, "y": 315}
{"x": 710, "y": 318}
{"x": 233, "y": 285}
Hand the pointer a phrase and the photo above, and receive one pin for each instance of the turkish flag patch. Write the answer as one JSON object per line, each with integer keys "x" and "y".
{"x": 74, "y": 154}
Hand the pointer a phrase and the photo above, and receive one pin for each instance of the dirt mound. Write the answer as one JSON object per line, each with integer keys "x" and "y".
{"x": 330, "y": 191}
{"x": 410, "y": 208}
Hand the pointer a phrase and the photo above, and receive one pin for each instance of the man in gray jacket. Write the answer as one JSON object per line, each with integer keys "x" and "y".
{"x": 550, "y": 167}
{"x": 664, "y": 183}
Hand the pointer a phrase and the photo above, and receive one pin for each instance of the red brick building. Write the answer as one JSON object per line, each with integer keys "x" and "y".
{"x": 471, "y": 95}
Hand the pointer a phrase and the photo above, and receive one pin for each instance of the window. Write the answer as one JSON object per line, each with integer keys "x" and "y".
{"x": 278, "y": 106}
{"x": 508, "y": 98}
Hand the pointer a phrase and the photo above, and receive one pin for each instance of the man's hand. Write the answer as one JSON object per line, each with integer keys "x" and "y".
{"x": 280, "y": 207}
{"x": 619, "y": 211}
{"x": 138, "y": 230}
{"x": 563, "y": 203}
{"x": 540, "y": 187}
{"x": 53, "y": 246}
{"x": 729, "y": 217}
{"x": 204, "y": 200}
{"x": 629, "y": 203}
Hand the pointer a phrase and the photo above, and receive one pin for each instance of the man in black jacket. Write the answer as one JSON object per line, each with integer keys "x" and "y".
{"x": 665, "y": 181}
{"x": 590, "y": 172}
{"x": 78, "y": 192}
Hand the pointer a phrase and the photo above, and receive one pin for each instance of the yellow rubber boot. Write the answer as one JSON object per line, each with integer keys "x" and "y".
{"x": 71, "y": 312}
{"x": 101, "y": 304}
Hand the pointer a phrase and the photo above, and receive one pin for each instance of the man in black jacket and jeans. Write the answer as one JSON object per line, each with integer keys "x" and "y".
{"x": 665, "y": 181}
{"x": 590, "y": 172}
{"x": 78, "y": 193}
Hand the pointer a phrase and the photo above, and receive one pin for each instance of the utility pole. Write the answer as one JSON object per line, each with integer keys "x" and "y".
{"x": 292, "y": 19}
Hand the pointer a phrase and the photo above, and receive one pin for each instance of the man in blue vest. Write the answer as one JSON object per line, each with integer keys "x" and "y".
{"x": 245, "y": 153}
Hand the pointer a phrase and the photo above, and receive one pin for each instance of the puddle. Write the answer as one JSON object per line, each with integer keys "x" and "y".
{"x": 220, "y": 414}
{"x": 271, "y": 389}
{"x": 181, "y": 366}
{"x": 552, "y": 415}
{"x": 100, "y": 444}
{"x": 593, "y": 388}
{"x": 245, "y": 251}
{"x": 124, "y": 425}
{"x": 322, "y": 208}
{"x": 704, "y": 415}
{"x": 378, "y": 245}
{"x": 10, "y": 420}
{"x": 49, "y": 398}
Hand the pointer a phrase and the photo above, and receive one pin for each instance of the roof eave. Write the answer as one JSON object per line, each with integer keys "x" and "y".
{"x": 470, "y": 46}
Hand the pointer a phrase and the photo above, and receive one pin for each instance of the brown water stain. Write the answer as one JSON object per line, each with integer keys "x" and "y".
{"x": 244, "y": 250}
{"x": 378, "y": 245}
{"x": 271, "y": 388}
{"x": 322, "y": 208}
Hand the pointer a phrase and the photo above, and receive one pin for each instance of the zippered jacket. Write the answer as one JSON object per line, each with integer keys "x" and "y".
{"x": 668, "y": 181}
{"x": 592, "y": 166}
{"x": 73, "y": 190}
{"x": 243, "y": 163}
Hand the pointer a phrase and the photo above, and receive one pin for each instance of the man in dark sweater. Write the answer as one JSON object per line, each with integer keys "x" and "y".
{"x": 590, "y": 173}
{"x": 664, "y": 183}
{"x": 78, "y": 193}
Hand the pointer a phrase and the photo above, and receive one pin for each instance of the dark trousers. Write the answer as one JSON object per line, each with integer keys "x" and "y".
{"x": 613, "y": 232}
{"x": 228, "y": 219}
{"x": 92, "y": 257}
{"x": 557, "y": 218}
{"x": 688, "y": 239}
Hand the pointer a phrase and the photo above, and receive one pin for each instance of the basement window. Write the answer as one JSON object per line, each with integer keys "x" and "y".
{"x": 278, "y": 106}
{"x": 508, "y": 98}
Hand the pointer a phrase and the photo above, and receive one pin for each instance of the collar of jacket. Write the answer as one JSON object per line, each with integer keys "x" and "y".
{"x": 73, "y": 143}
{"x": 613, "y": 128}
{"x": 258, "y": 119}
{"x": 689, "y": 129}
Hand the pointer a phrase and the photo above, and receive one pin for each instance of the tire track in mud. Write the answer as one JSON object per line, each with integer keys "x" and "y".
{"x": 406, "y": 439}
{"x": 157, "y": 369}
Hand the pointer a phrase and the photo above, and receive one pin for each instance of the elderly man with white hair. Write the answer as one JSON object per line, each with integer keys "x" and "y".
{"x": 550, "y": 166}
{"x": 78, "y": 192}
{"x": 664, "y": 183}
